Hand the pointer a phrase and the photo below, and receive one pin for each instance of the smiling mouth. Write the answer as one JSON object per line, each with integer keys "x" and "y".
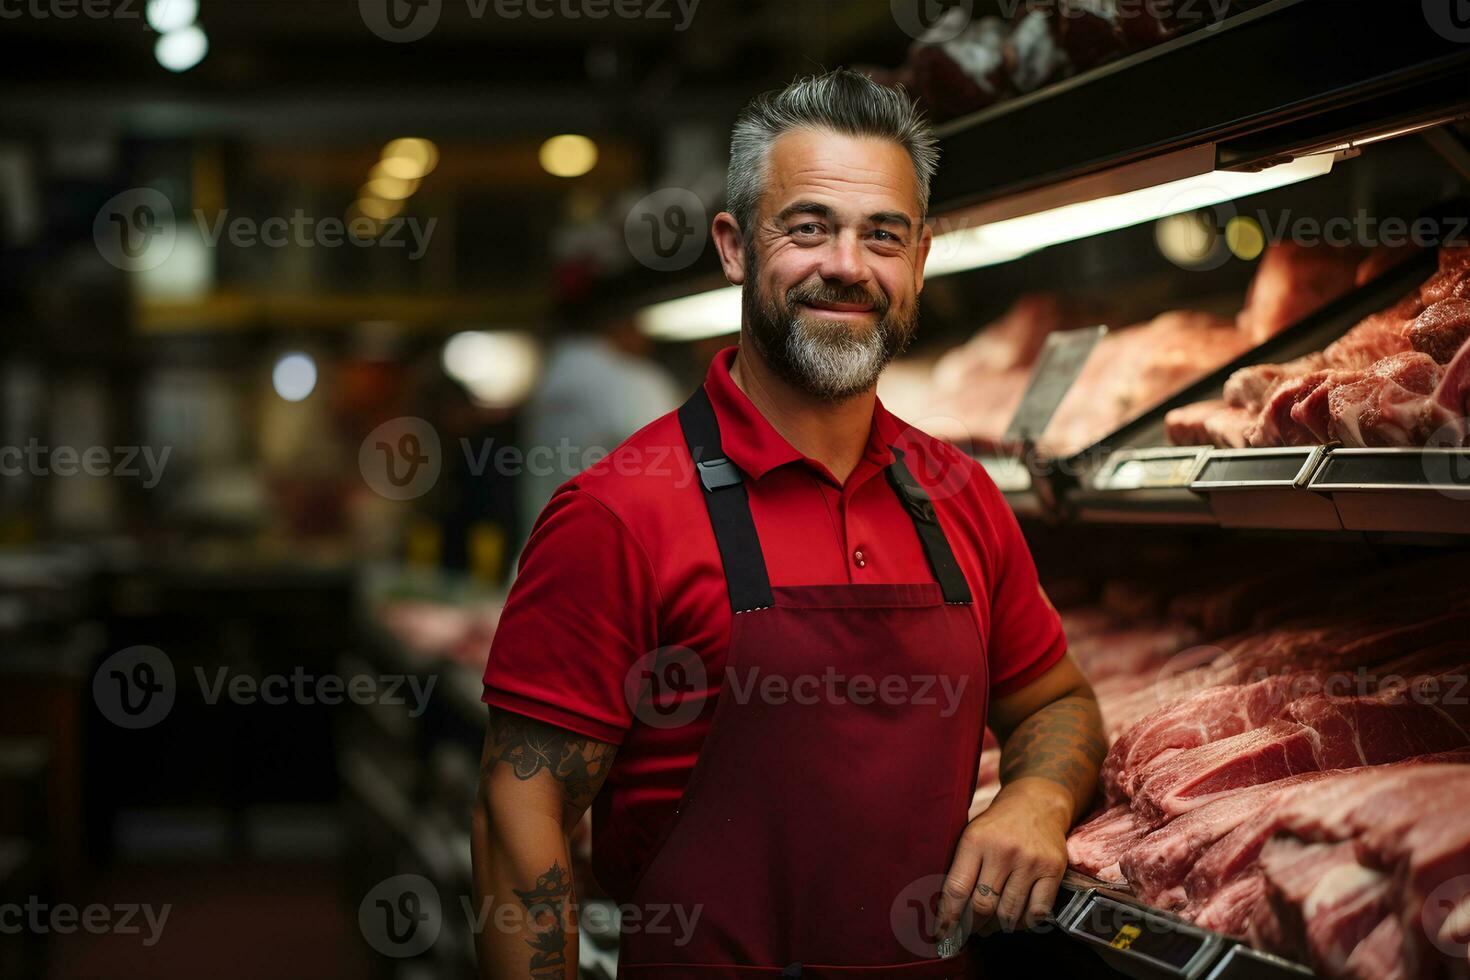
{"x": 848, "y": 308}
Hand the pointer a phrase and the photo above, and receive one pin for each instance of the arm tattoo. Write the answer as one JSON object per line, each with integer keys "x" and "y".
{"x": 546, "y": 905}
{"x": 580, "y": 764}
{"x": 1062, "y": 742}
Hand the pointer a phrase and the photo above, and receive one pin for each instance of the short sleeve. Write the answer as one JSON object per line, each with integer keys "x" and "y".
{"x": 1026, "y": 638}
{"x": 581, "y": 613}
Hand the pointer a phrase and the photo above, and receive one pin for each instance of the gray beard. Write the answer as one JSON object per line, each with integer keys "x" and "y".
{"x": 824, "y": 359}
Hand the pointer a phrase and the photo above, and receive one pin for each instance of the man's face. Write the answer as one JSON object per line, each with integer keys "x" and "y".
{"x": 834, "y": 261}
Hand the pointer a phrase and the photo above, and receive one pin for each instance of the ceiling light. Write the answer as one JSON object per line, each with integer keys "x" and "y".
{"x": 696, "y": 317}
{"x": 171, "y": 15}
{"x": 568, "y": 155}
{"x": 377, "y": 208}
{"x": 182, "y": 49}
{"x": 294, "y": 376}
{"x": 497, "y": 367}
{"x": 1002, "y": 241}
{"x": 409, "y": 158}
{"x": 388, "y": 187}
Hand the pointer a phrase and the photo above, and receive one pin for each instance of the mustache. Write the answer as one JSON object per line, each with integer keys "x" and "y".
{"x": 820, "y": 293}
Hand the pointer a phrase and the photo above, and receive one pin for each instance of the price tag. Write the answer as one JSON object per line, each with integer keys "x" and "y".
{"x": 1061, "y": 359}
{"x": 1149, "y": 469}
{"x": 1180, "y": 949}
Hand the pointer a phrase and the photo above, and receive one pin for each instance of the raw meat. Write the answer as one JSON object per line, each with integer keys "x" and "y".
{"x": 1291, "y": 282}
{"x": 1408, "y": 827}
{"x": 1276, "y": 425}
{"x": 1442, "y": 329}
{"x": 1189, "y": 425}
{"x": 1097, "y": 845}
{"x": 1135, "y": 368}
{"x": 964, "y": 72}
{"x": 1390, "y": 406}
{"x": 1157, "y": 865}
{"x": 1248, "y": 387}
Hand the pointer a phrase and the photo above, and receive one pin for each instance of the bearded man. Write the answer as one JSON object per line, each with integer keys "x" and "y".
{"x": 764, "y": 637}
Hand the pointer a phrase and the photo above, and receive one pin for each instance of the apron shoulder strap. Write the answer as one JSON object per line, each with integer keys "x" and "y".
{"x": 729, "y": 507}
{"x": 917, "y": 502}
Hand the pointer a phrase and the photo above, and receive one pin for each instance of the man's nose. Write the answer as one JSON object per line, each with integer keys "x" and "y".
{"x": 844, "y": 260}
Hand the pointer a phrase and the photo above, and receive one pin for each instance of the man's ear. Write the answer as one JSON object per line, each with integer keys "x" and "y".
{"x": 731, "y": 245}
{"x": 926, "y": 242}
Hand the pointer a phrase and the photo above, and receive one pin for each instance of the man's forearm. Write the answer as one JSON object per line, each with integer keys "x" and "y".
{"x": 524, "y": 898}
{"x": 536, "y": 781}
{"x": 1063, "y": 743}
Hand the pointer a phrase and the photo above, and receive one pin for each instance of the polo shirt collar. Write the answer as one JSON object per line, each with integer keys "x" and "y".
{"x": 754, "y": 445}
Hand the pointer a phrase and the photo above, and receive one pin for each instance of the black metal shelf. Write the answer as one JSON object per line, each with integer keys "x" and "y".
{"x": 1290, "y": 77}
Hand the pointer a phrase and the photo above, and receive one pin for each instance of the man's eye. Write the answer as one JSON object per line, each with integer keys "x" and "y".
{"x": 884, "y": 235}
{"x": 810, "y": 228}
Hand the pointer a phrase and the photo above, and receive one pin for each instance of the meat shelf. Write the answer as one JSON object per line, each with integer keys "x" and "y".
{"x": 1322, "y": 74}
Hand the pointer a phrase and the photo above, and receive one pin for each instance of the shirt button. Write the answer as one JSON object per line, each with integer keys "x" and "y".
{"x": 858, "y": 559}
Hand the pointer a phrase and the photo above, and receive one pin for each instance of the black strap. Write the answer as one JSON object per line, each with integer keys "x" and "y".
{"x": 729, "y": 507}
{"x": 916, "y": 501}
{"x": 740, "y": 548}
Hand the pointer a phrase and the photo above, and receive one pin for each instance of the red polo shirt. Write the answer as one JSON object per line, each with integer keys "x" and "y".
{"x": 622, "y": 562}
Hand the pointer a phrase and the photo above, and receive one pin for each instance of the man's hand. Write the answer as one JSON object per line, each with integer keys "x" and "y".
{"x": 1010, "y": 859}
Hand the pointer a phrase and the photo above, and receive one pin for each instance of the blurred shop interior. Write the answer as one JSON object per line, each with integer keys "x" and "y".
{"x": 207, "y": 386}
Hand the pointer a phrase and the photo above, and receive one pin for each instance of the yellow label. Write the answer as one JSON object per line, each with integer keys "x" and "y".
{"x": 1124, "y": 938}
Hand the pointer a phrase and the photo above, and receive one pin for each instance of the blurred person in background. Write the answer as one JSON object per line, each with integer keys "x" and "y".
{"x": 820, "y": 541}
{"x": 598, "y": 388}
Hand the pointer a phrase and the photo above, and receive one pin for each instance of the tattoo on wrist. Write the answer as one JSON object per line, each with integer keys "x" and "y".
{"x": 529, "y": 746}
{"x": 546, "y": 905}
{"x": 1062, "y": 742}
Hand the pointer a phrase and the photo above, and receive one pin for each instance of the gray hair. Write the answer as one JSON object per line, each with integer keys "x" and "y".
{"x": 842, "y": 101}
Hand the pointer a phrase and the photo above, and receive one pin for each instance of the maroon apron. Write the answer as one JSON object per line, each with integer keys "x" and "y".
{"x": 814, "y": 832}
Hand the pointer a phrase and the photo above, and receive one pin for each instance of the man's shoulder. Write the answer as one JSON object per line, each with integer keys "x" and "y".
{"x": 635, "y": 479}
{"x": 941, "y": 467}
